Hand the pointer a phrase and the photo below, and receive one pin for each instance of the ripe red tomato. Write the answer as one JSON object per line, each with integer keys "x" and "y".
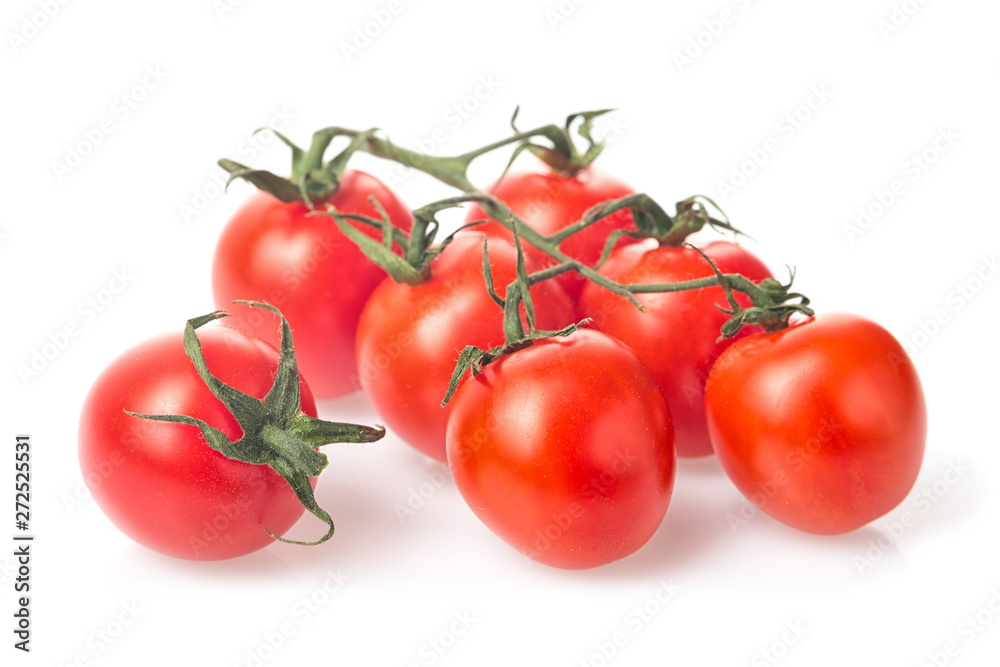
{"x": 159, "y": 482}
{"x": 676, "y": 336}
{"x": 565, "y": 450}
{"x": 410, "y": 337}
{"x": 822, "y": 425}
{"x": 549, "y": 202}
{"x": 274, "y": 252}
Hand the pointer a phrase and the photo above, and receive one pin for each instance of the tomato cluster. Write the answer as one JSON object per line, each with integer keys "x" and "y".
{"x": 592, "y": 332}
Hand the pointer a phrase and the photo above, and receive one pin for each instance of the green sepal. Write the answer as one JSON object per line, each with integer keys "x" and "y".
{"x": 770, "y": 308}
{"x": 563, "y": 156}
{"x": 419, "y": 250}
{"x": 338, "y": 163}
{"x": 215, "y": 438}
{"x": 523, "y": 288}
{"x": 299, "y": 481}
{"x": 474, "y": 359}
{"x": 378, "y": 251}
{"x": 317, "y": 432}
{"x": 693, "y": 215}
{"x": 283, "y": 401}
{"x": 312, "y": 180}
{"x": 470, "y": 358}
{"x": 652, "y": 221}
{"x": 594, "y": 148}
{"x": 276, "y": 432}
{"x": 488, "y": 275}
{"x": 278, "y": 186}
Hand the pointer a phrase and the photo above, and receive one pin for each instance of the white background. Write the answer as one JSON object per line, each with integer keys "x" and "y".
{"x": 680, "y": 129}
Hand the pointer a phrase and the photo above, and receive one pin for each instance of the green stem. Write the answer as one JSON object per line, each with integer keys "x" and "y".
{"x": 416, "y": 247}
{"x": 551, "y": 272}
{"x": 450, "y": 170}
{"x": 313, "y": 158}
{"x": 553, "y": 133}
{"x": 453, "y": 171}
{"x": 733, "y": 280}
{"x": 769, "y": 299}
{"x": 499, "y": 211}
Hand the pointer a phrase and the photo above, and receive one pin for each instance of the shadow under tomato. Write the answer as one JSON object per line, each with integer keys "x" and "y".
{"x": 358, "y": 510}
{"x": 698, "y": 533}
{"x": 702, "y": 467}
{"x": 693, "y": 527}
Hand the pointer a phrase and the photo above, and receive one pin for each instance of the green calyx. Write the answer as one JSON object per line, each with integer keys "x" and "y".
{"x": 653, "y": 222}
{"x": 413, "y": 267}
{"x": 276, "y": 432}
{"x": 770, "y": 309}
{"x": 516, "y": 337}
{"x": 693, "y": 215}
{"x": 563, "y": 156}
{"x": 312, "y": 179}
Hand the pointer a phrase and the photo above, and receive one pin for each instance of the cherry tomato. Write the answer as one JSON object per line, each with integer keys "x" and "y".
{"x": 274, "y": 252}
{"x": 548, "y": 202}
{"x": 822, "y": 425}
{"x": 410, "y": 337}
{"x": 676, "y": 336}
{"x": 565, "y": 450}
{"x": 159, "y": 482}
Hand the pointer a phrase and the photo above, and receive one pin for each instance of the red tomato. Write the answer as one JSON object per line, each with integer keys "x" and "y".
{"x": 159, "y": 482}
{"x": 410, "y": 337}
{"x": 549, "y": 202}
{"x": 676, "y": 336}
{"x": 565, "y": 450}
{"x": 274, "y": 252}
{"x": 821, "y": 425}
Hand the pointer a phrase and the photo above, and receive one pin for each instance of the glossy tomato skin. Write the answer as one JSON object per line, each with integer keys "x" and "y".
{"x": 822, "y": 425}
{"x": 410, "y": 337}
{"x": 565, "y": 450}
{"x": 549, "y": 202}
{"x": 275, "y": 252}
{"x": 159, "y": 482}
{"x": 677, "y": 335}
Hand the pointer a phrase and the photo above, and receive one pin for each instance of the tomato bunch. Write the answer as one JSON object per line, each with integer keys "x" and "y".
{"x": 559, "y": 351}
